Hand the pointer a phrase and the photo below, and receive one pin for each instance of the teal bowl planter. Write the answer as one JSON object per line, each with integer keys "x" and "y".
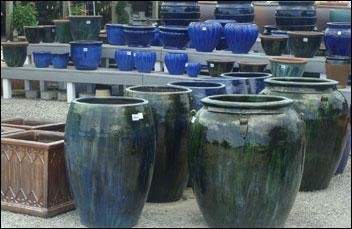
{"x": 175, "y": 63}
{"x": 85, "y": 27}
{"x": 62, "y": 30}
{"x": 340, "y": 15}
{"x": 15, "y": 53}
{"x": 287, "y": 66}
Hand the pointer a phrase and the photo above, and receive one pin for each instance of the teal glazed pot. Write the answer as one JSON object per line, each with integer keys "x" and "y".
{"x": 246, "y": 160}
{"x": 110, "y": 152}
{"x": 340, "y": 15}
{"x": 15, "y": 53}
{"x": 287, "y": 66}
{"x": 86, "y": 27}
{"x": 171, "y": 107}
{"x": 62, "y": 29}
{"x": 304, "y": 43}
{"x": 325, "y": 112}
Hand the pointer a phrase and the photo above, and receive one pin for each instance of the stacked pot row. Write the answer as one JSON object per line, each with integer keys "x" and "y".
{"x": 241, "y": 11}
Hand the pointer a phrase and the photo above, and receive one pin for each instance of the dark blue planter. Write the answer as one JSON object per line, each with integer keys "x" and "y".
{"x": 241, "y": 11}
{"x": 222, "y": 45}
{"x": 124, "y": 60}
{"x": 42, "y": 59}
{"x": 201, "y": 89}
{"x": 346, "y": 152}
{"x": 86, "y": 54}
{"x": 138, "y": 35}
{"x": 193, "y": 69}
{"x": 144, "y": 61}
{"x": 60, "y": 60}
{"x": 241, "y": 37}
{"x": 156, "y": 39}
{"x": 175, "y": 63}
{"x": 247, "y": 82}
{"x": 114, "y": 34}
{"x": 179, "y": 13}
{"x": 204, "y": 36}
{"x": 174, "y": 37}
{"x": 338, "y": 39}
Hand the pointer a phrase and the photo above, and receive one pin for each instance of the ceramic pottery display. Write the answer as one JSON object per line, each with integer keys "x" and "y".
{"x": 62, "y": 31}
{"x": 49, "y": 33}
{"x": 85, "y": 27}
{"x": 14, "y": 52}
{"x": 110, "y": 148}
{"x": 222, "y": 45}
{"x": 171, "y": 107}
{"x": 33, "y": 174}
{"x": 175, "y": 63}
{"x": 204, "y": 36}
{"x": 304, "y": 43}
{"x": 156, "y": 38}
{"x": 41, "y": 59}
{"x": 174, "y": 37}
{"x": 144, "y": 61}
{"x": 337, "y": 39}
{"x": 60, "y": 60}
{"x": 269, "y": 28}
{"x": 138, "y": 35}
{"x": 34, "y": 34}
{"x": 246, "y": 160}
{"x": 241, "y": 37}
{"x": 340, "y": 15}
{"x": 216, "y": 67}
{"x": 247, "y": 82}
{"x": 193, "y": 69}
{"x": 241, "y": 11}
{"x": 86, "y": 54}
{"x": 115, "y": 34}
{"x": 124, "y": 60}
{"x": 325, "y": 112}
{"x": 287, "y": 66}
{"x": 254, "y": 66}
{"x": 179, "y": 13}
{"x": 273, "y": 45}
{"x": 338, "y": 68}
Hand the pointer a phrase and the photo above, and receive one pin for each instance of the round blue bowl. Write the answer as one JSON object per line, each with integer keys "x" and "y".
{"x": 193, "y": 69}
{"x": 175, "y": 63}
{"x": 144, "y": 61}
{"x": 86, "y": 55}
{"x": 114, "y": 34}
{"x": 138, "y": 35}
{"x": 174, "y": 37}
{"x": 124, "y": 60}
{"x": 60, "y": 60}
{"x": 42, "y": 59}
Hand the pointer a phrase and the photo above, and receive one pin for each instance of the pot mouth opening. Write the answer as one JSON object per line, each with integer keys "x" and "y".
{"x": 78, "y": 42}
{"x": 305, "y": 33}
{"x": 246, "y": 75}
{"x": 339, "y": 24}
{"x": 116, "y": 101}
{"x": 14, "y": 43}
{"x": 300, "y": 81}
{"x": 197, "y": 84}
{"x": 131, "y": 26}
{"x": 164, "y": 90}
{"x": 274, "y": 37}
{"x": 252, "y": 63}
{"x": 288, "y": 60}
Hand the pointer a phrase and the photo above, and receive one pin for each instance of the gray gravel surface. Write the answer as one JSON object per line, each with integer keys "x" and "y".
{"x": 328, "y": 208}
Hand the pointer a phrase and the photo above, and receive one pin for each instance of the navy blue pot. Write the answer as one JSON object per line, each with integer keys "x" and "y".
{"x": 174, "y": 37}
{"x": 60, "y": 60}
{"x": 42, "y": 59}
{"x": 86, "y": 54}
{"x": 204, "y": 36}
{"x": 222, "y": 45}
{"x": 124, "y": 60}
{"x": 241, "y": 37}
{"x": 156, "y": 39}
{"x": 144, "y": 61}
{"x": 201, "y": 89}
{"x": 241, "y": 11}
{"x": 114, "y": 34}
{"x": 337, "y": 39}
{"x": 193, "y": 69}
{"x": 179, "y": 13}
{"x": 138, "y": 35}
{"x": 247, "y": 82}
{"x": 175, "y": 63}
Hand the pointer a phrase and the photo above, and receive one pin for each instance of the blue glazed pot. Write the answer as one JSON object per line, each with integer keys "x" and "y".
{"x": 241, "y": 11}
{"x": 174, "y": 37}
{"x": 204, "y": 36}
{"x": 138, "y": 35}
{"x": 114, "y": 34}
{"x": 247, "y": 82}
{"x": 222, "y": 45}
{"x": 60, "y": 60}
{"x": 229, "y": 87}
{"x": 241, "y": 37}
{"x": 156, "y": 39}
{"x": 287, "y": 66}
{"x": 86, "y": 54}
{"x": 337, "y": 39}
{"x": 175, "y": 63}
{"x": 124, "y": 60}
{"x": 193, "y": 69}
{"x": 144, "y": 61}
{"x": 42, "y": 59}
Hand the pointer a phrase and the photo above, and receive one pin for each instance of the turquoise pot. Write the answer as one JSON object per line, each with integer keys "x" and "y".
{"x": 287, "y": 66}
{"x": 340, "y": 15}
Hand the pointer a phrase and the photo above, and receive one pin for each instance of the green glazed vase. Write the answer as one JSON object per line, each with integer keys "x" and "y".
{"x": 62, "y": 29}
{"x": 15, "y": 53}
{"x": 287, "y": 66}
{"x": 85, "y": 27}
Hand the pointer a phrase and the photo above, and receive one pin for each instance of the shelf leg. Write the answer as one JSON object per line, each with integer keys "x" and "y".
{"x": 42, "y": 85}
{"x": 6, "y": 88}
{"x": 71, "y": 91}
{"x": 27, "y": 85}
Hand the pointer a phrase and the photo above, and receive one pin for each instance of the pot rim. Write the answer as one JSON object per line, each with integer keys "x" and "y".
{"x": 215, "y": 84}
{"x": 248, "y": 75}
{"x": 85, "y": 16}
{"x": 41, "y": 52}
{"x": 48, "y": 26}
{"x": 220, "y": 61}
{"x": 300, "y": 81}
{"x": 174, "y": 27}
{"x": 32, "y": 27}
{"x": 181, "y": 90}
{"x": 114, "y": 25}
{"x": 276, "y": 101}
{"x": 339, "y": 24}
{"x": 253, "y": 63}
{"x": 130, "y": 26}
{"x": 274, "y": 37}
{"x": 222, "y": 21}
{"x": 288, "y": 60}
{"x": 138, "y": 101}
{"x": 14, "y": 43}
{"x": 61, "y": 20}
{"x": 242, "y": 23}
{"x": 305, "y": 33}
{"x": 89, "y": 42}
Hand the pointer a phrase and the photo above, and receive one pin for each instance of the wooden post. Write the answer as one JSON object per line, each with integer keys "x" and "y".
{"x": 113, "y": 13}
{"x": 65, "y": 9}
{"x": 155, "y": 10}
{"x": 9, "y": 12}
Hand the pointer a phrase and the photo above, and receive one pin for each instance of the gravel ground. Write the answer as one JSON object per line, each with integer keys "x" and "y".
{"x": 328, "y": 208}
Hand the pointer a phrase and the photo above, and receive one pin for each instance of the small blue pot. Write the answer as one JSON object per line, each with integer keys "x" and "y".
{"x": 86, "y": 54}
{"x": 247, "y": 82}
{"x": 337, "y": 39}
{"x": 114, "y": 34}
{"x": 175, "y": 63}
{"x": 204, "y": 36}
{"x": 193, "y": 69}
{"x": 42, "y": 59}
{"x": 174, "y": 37}
{"x": 144, "y": 61}
{"x": 124, "y": 60}
{"x": 241, "y": 37}
{"x": 60, "y": 60}
{"x": 138, "y": 35}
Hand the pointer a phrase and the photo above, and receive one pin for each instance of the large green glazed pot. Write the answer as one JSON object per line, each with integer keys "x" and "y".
{"x": 287, "y": 66}
{"x": 171, "y": 108}
{"x": 63, "y": 33}
{"x": 246, "y": 160}
{"x": 85, "y": 27}
{"x": 110, "y": 151}
{"x": 15, "y": 53}
{"x": 325, "y": 112}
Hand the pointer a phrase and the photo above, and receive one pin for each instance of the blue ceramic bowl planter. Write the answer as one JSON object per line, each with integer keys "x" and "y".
{"x": 138, "y": 35}
{"x": 60, "y": 60}
{"x": 337, "y": 39}
{"x": 174, "y": 37}
{"x": 241, "y": 37}
{"x": 86, "y": 54}
{"x": 124, "y": 60}
{"x": 193, "y": 69}
{"x": 114, "y": 34}
{"x": 175, "y": 63}
{"x": 42, "y": 59}
{"x": 204, "y": 36}
{"x": 144, "y": 61}
{"x": 247, "y": 82}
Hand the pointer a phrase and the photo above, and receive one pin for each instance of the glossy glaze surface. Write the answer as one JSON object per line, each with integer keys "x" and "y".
{"x": 337, "y": 39}
{"x": 41, "y": 59}
{"x": 138, "y": 36}
{"x": 34, "y": 34}
{"x": 174, "y": 37}
{"x": 60, "y": 60}
{"x": 86, "y": 55}
{"x": 241, "y": 37}
{"x": 175, "y": 63}
{"x": 144, "y": 61}
{"x": 247, "y": 82}
{"x": 124, "y": 60}
{"x": 304, "y": 43}
{"x": 273, "y": 45}
{"x": 241, "y": 11}
{"x": 62, "y": 29}
{"x": 85, "y": 27}
{"x": 287, "y": 67}
{"x": 204, "y": 36}
{"x": 114, "y": 34}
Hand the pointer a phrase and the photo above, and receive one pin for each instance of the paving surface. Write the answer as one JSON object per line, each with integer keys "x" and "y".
{"x": 328, "y": 208}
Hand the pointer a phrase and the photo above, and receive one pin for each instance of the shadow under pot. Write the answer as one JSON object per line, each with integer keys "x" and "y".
{"x": 34, "y": 34}
{"x": 138, "y": 35}
{"x": 85, "y": 27}
{"x": 304, "y": 43}
{"x": 175, "y": 63}
{"x": 246, "y": 66}
{"x": 325, "y": 112}
{"x": 60, "y": 60}
{"x": 247, "y": 82}
{"x": 274, "y": 45}
{"x": 144, "y": 61}
{"x": 171, "y": 111}
{"x": 14, "y": 52}
{"x": 49, "y": 33}
{"x": 246, "y": 129}
{"x": 41, "y": 59}
{"x": 62, "y": 31}
{"x": 86, "y": 55}
{"x": 217, "y": 67}
{"x": 287, "y": 66}
{"x": 174, "y": 37}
